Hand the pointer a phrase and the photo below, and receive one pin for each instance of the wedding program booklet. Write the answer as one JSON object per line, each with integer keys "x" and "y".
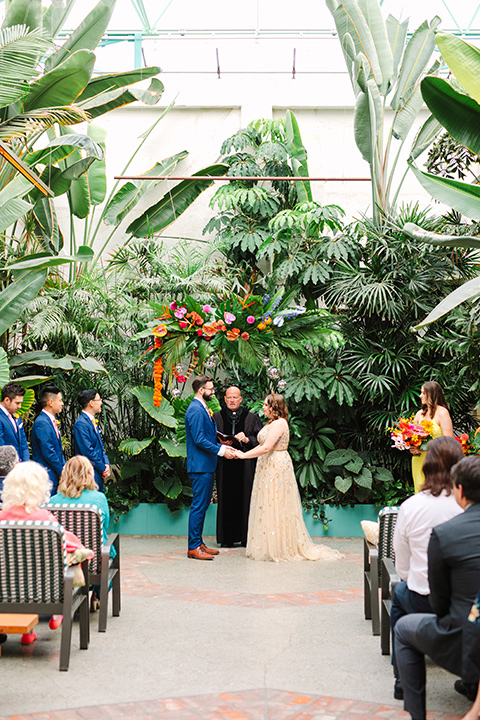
{"x": 221, "y": 437}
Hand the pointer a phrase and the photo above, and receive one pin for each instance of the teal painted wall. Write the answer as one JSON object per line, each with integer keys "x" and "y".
{"x": 153, "y": 519}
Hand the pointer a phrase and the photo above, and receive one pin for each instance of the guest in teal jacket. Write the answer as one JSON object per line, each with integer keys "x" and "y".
{"x": 78, "y": 487}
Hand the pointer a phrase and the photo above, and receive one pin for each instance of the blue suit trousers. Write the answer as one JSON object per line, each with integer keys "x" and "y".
{"x": 202, "y": 486}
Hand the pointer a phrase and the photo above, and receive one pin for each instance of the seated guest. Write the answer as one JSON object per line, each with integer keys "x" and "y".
{"x": 434, "y": 504}
{"x": 8, "y": 460}
{"x": 473, "y": 618}
{"x": 453, "y": 578}
{"x": 46, "y": 440}
{"x": 78, "y": 487}
{"x": 26, "y": 488}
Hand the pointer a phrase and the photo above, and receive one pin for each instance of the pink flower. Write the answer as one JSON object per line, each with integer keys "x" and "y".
{"x": 199, "y": 332}
{"x": 207, "y": 309}
{"x": 229, "y": 317}
{"x": 180, "y": 312}
{"x": 183, "y": 324}
{"x": 181, "y": 378}
{"x": 173, "y": 305}
{"x": 250, "y": 319}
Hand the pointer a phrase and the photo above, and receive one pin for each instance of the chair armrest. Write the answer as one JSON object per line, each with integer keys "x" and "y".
{"x": 390, "y": 578}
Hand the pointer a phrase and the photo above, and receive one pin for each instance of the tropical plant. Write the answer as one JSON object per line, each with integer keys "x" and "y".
{"x": 385, "y": 68}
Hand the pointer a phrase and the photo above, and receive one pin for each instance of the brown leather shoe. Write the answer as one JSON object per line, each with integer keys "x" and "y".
{"x": 199, "y": 554}
{"x": 210, "y": 551}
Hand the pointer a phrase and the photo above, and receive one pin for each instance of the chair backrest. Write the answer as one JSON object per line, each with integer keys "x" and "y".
{"x": 85, "y": 521}
{"x": 387, "y": 519}
{"x": 33, "y": 559}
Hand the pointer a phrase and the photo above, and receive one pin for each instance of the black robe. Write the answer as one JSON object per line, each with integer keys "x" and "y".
{"x": 234, "y": 480}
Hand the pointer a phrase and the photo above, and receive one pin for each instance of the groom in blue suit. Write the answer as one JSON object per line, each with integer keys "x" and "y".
{"x": 46, "y": 440}
{"x": 12, "y": 431}
{"x": 203, "y": 449}
{"x": 87, "y": 438}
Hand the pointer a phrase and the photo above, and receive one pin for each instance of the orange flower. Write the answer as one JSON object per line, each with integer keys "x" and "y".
{"x": 209, "y": 330}
{"x": 233, "y": 334}
{"x": 157, "y": 382}
{"x": 245, "y": 336}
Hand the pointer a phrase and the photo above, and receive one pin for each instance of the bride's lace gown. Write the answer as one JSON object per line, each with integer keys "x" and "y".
{"x": 276, "y": 530}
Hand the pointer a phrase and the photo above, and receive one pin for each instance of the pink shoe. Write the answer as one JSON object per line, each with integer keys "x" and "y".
{"x": 55, "y": 622}
{"x": 28, "y": 638}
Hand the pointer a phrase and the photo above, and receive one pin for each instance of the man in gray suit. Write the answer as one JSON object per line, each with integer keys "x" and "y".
{"x": 454, "y": 579}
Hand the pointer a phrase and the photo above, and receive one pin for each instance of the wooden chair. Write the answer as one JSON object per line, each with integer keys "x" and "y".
{"x": 34, "y": 578}
{"x": 85, "y": 521}
{"x": 389, "y": 581}
{"x": 372, "y": 564}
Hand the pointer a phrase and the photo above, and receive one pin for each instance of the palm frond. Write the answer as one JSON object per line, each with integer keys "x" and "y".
{"x": 22, "y": 125}
{"x": 20, "y": 51}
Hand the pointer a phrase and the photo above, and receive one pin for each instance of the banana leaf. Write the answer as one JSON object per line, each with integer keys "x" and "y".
{"x": 46, "y": 260}
{"x": 463, "y": 197}
{"x": 129, "y": 194}
{"x": 16, "y": 296}
{"x": 12, "y": 211}
{"x": 61, "y": 147}
{"x": 115, "y": 81}
{"x": 458, "y": 113}
{"x": 87, "y": 35}
{"x": 463, "y": 60}
{"x": 298, "y": 154}
{"x": 4, "y": 368}
{"x": 63, "y": 84}
{"x": 46, "y": 226}
{"x": 418, "y": 233}
{"x": 467, "y": 291}
{"x": 397, "y": 37}
{"x": 163, "y": 213}
{"x": 425, "y": 136}
{"x": 417, "y": 55}
{"x": 55, "y": 16}
{"x": 24, "y": 12}
{"x": 44, "y": 358}
{"x": 97, "y": 173}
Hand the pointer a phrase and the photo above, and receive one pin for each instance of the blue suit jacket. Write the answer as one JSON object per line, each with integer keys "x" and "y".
{"x": 47, "y": 447}
{"x": 8, "y": 436}
{"x": 88, "y": 442}
{"x": 202, "y": 444}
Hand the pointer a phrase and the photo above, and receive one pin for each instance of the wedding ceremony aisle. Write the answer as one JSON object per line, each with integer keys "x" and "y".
{"x": 230, "y": 639}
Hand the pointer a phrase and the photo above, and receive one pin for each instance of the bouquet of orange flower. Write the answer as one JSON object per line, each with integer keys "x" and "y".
{"x": 470, "y": 442}
{"x": 407, "y": 434}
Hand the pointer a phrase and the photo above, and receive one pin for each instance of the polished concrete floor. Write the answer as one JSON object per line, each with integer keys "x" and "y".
{"x": 230, "y": 639}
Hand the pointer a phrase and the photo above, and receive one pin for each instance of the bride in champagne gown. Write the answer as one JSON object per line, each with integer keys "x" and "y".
{"x": 276, "y": 529}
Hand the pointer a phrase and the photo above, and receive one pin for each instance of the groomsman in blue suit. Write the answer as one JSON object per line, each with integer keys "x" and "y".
{"x": 87, "y": 438}
{"x": 203, "y": 449}
{"x": 12, "y": 431}
{"x": 46, "y": 440}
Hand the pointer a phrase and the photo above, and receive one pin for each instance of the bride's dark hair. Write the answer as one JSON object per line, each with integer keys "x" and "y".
{"x": 277, "y": 405}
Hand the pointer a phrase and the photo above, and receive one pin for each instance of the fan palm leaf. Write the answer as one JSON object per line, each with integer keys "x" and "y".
{"x": 22, "y": 125}
{"x": 20, "y": 51}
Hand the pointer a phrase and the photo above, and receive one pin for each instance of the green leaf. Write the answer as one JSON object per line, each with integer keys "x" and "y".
{"x": 171, "y": 487}
{"x": 16, "y": 296}
{"x": 132, "y": 446}
{"x": 115, "y": 81}
{"x": 397, "y": 37}
{"x": 456, "y": 194}
{"x": 4, "y": 368}
{"x": 355, "y": 465}
{"x": 298, "y": 154}
{"x": 425, "y": 136}
{"x": 159, "y": 216}
{"x": 44, "y": 358}
{"x": 343, "y": 483}
{"x": 96, "y": 173}
{"x": 61, "y": 147}
{"x": 458, "y": 113}
{"x": 163, "y": 414}
{"x": 382, "y": 474}
{"x": 55, "y": 15}
{"x": 61, "y": 85}
{"x": 373, "y": 15}
{"x": 46, "y": 226}
{"x": 129, "y": 194}
{"x": 13, "y": 211}
{"x": 87, "y": 35}
{"x": 417, "y": 54}
{"x": 463, "y": 60}
{"x": 20, "y": 52}
{"x": 467, "y": 291}
{"x": 173, "y": 449}
{"x": 27, "y": 402}
{"x": 419, "y": 234}
{"x": 45, "y": 260}
{"x": 27, "y": 381}
{"x": 152, "y": 95}
{"x": 24, "y": 12}
{"x": 364, "y": 479}
{"x": 340, "y": 457}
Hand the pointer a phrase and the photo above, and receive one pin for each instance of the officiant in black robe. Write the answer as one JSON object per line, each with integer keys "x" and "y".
{"x": 235, "y": 478}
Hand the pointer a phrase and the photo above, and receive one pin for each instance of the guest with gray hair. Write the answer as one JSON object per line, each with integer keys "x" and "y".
{"x": 8, "y": 459}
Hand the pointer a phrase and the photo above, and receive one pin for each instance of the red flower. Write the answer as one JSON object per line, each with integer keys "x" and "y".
{"x": 183, "y": 324}
{"x": 245, "y": 336}
{"x": 199, "y": 332}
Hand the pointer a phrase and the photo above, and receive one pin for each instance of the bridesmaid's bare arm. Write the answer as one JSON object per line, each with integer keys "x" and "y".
{"x": 274, "y": 433}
